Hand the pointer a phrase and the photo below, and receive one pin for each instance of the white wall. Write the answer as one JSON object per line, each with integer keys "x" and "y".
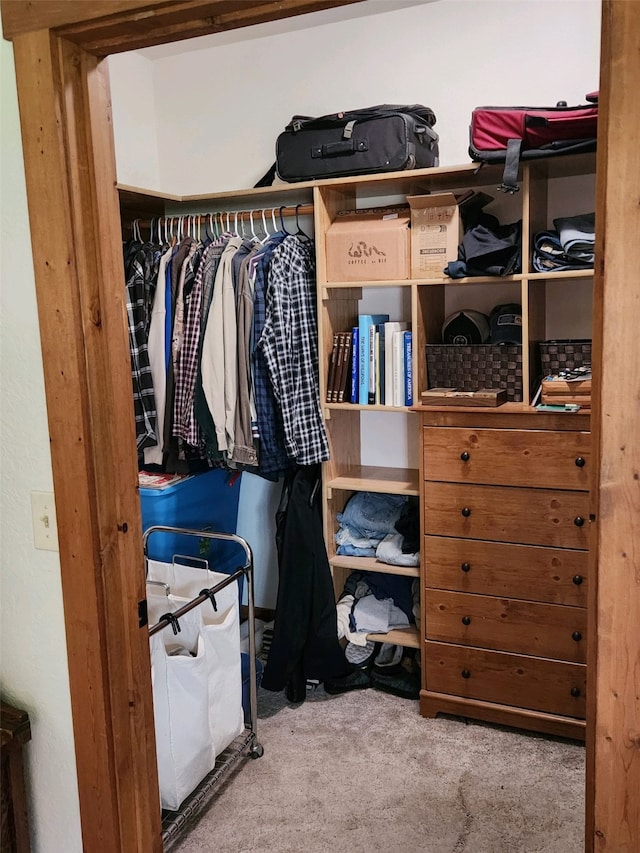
{"x": 33, "y": 663}
{"x": 219, "y": 109}
{"x": 136, "y": 135}
{"x": 216, "y": 114}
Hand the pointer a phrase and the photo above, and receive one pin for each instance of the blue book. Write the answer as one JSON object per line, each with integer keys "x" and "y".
{"x": 354, "y": 365}
{"x": 364, "y": 322}
{"x": 408, "y": 368}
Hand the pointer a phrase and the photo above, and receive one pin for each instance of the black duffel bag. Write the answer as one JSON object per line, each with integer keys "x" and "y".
{"x": 384, "y": 138}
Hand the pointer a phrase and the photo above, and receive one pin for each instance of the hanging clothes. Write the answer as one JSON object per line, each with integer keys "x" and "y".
{"x": 156, "y": 348}
{"x": 305, "y": 636}
{"x": 218, "y": 359}
{"x": 289, "y": 342}
{"x": 141, "y": 269}
{"x": 224, "y": 352}
{"x": 185, "y": 425}
{"x": 245, "y": 451}
{"x": 272, "y": 455}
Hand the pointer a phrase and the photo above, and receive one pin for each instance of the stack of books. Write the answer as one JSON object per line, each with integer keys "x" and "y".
{"x": 568, "y": 388}
{"x": 339, "y": 372}
{"x": 372, "y": 363}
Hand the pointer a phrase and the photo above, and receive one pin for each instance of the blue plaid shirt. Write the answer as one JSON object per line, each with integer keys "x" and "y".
{"x": 289, "y": 342}
{"x": 272, "y": 456}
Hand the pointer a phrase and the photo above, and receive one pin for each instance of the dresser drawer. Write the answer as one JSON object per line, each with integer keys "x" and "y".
{"x": 505, "y": 624}
{"x": 554, "y": 575}
{"x": 507, "y": 457}
{"x": 503, "y": 514}
{"x": 534, "y": 683}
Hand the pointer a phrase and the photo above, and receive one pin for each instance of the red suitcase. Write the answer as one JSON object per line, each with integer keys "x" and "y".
{"x": 511, "y": 134}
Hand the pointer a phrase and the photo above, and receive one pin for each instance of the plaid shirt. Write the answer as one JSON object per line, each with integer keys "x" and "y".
{"x": 272, "y": 456}
{"x": 185, "y": 424}
{"x": 141, "y": 269}
{"x": 289, "y": 342}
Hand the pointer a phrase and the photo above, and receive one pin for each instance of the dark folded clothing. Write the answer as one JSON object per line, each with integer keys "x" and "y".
{"x": 549, "y": 255}
{"x": 488, "y": 248}
{"x": 408, "y": 525}
{"x": 577, "y": 233}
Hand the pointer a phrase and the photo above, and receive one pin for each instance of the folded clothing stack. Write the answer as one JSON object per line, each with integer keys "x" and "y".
{"x": 382, "y": 526}
{"x": 570, "y": 247}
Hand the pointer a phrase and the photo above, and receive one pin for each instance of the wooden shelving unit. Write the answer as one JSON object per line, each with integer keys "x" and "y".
{"x": 426, "y": 303}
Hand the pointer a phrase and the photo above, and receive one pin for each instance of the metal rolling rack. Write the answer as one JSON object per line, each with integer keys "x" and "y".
{"x": 175, "y": 823}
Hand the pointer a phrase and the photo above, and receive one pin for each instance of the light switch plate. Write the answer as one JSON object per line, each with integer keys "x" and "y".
{"x": 45, "y": 527}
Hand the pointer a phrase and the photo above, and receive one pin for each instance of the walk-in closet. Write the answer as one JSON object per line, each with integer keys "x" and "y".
{"x": 149, "y": 124}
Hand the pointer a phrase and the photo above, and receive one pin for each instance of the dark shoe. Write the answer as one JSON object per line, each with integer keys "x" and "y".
{"x": 404, "y": 684}
{"x": 356, "y": 680}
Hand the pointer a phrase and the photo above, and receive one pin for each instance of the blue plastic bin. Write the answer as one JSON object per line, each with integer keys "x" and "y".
{"x": 207, "y": 501}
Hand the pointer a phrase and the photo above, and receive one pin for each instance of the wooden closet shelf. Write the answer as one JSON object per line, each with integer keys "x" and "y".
{"x": 409, "y": 637}
{"x": 370, "y": 564}
{"x": 369, "y": 478}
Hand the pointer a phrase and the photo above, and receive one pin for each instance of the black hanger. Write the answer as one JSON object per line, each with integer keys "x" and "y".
{"x": 284, "y": 230}
{"x": 299, "y": 232}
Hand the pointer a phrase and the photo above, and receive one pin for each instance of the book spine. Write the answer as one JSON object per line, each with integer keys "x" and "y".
{"x": 371, "y": 394}
{"x": 336, "y": 377}
{"x": 398, "y": 368}
{"x": 381, "y": 364}
{"x": 408, "y": 368}
{"x": 377, "y": 351}
{"x": 389, "y": 329}
{"x": 363, "y": 360}
{"x": 344, "y": 389}
{"x": 355, "y": 361}
{"x": 331, "y": 371}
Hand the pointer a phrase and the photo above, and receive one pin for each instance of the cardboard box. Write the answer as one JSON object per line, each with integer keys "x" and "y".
{"x": 435, "y": 233}
{"x": 372, "y": 244}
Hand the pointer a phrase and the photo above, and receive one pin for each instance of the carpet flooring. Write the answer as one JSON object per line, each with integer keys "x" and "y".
{"x": 363, "y": 772}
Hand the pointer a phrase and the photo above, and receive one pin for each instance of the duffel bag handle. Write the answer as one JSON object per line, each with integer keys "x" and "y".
{"x": 338, "y": 149}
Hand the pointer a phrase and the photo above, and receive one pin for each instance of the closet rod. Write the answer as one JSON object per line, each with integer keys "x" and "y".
{"x": 240, "y": 215}
{"x": 205, "y": 595}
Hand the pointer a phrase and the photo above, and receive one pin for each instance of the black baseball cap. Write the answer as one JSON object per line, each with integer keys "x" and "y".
{"x": 465, "y": 327}
{"x": 506, "y": 324}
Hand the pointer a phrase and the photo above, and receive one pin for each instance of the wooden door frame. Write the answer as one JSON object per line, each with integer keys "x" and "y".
{"x": 65, "y": 118}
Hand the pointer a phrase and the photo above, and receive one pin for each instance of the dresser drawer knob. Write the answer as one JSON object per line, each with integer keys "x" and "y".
{"x": 577, "y": 636}
{"x": 465, "y": 456}
{"x": 577, "y": 579}
{"x": 466, "y": 620}
{"x": 575, "y": 692}
{"x": 580, "y": 461}
{"x": 465, "y": 567}
{"x": 466, "y": 511}
{"x": 578, "y": 521}
{"x": 465, "y": 673}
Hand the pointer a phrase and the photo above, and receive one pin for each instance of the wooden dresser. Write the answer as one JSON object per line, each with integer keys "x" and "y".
{"x": 505, "y": 515}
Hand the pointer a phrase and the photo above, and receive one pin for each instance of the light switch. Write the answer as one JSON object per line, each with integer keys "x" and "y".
{"x": 45, "y": 527}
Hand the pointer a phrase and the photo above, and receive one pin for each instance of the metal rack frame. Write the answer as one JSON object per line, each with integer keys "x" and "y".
{"x": 174, "y": 824}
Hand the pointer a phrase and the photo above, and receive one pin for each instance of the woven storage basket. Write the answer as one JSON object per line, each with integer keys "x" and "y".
{"x": 564, "y": 355}
{"x": 474, "y": 366}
